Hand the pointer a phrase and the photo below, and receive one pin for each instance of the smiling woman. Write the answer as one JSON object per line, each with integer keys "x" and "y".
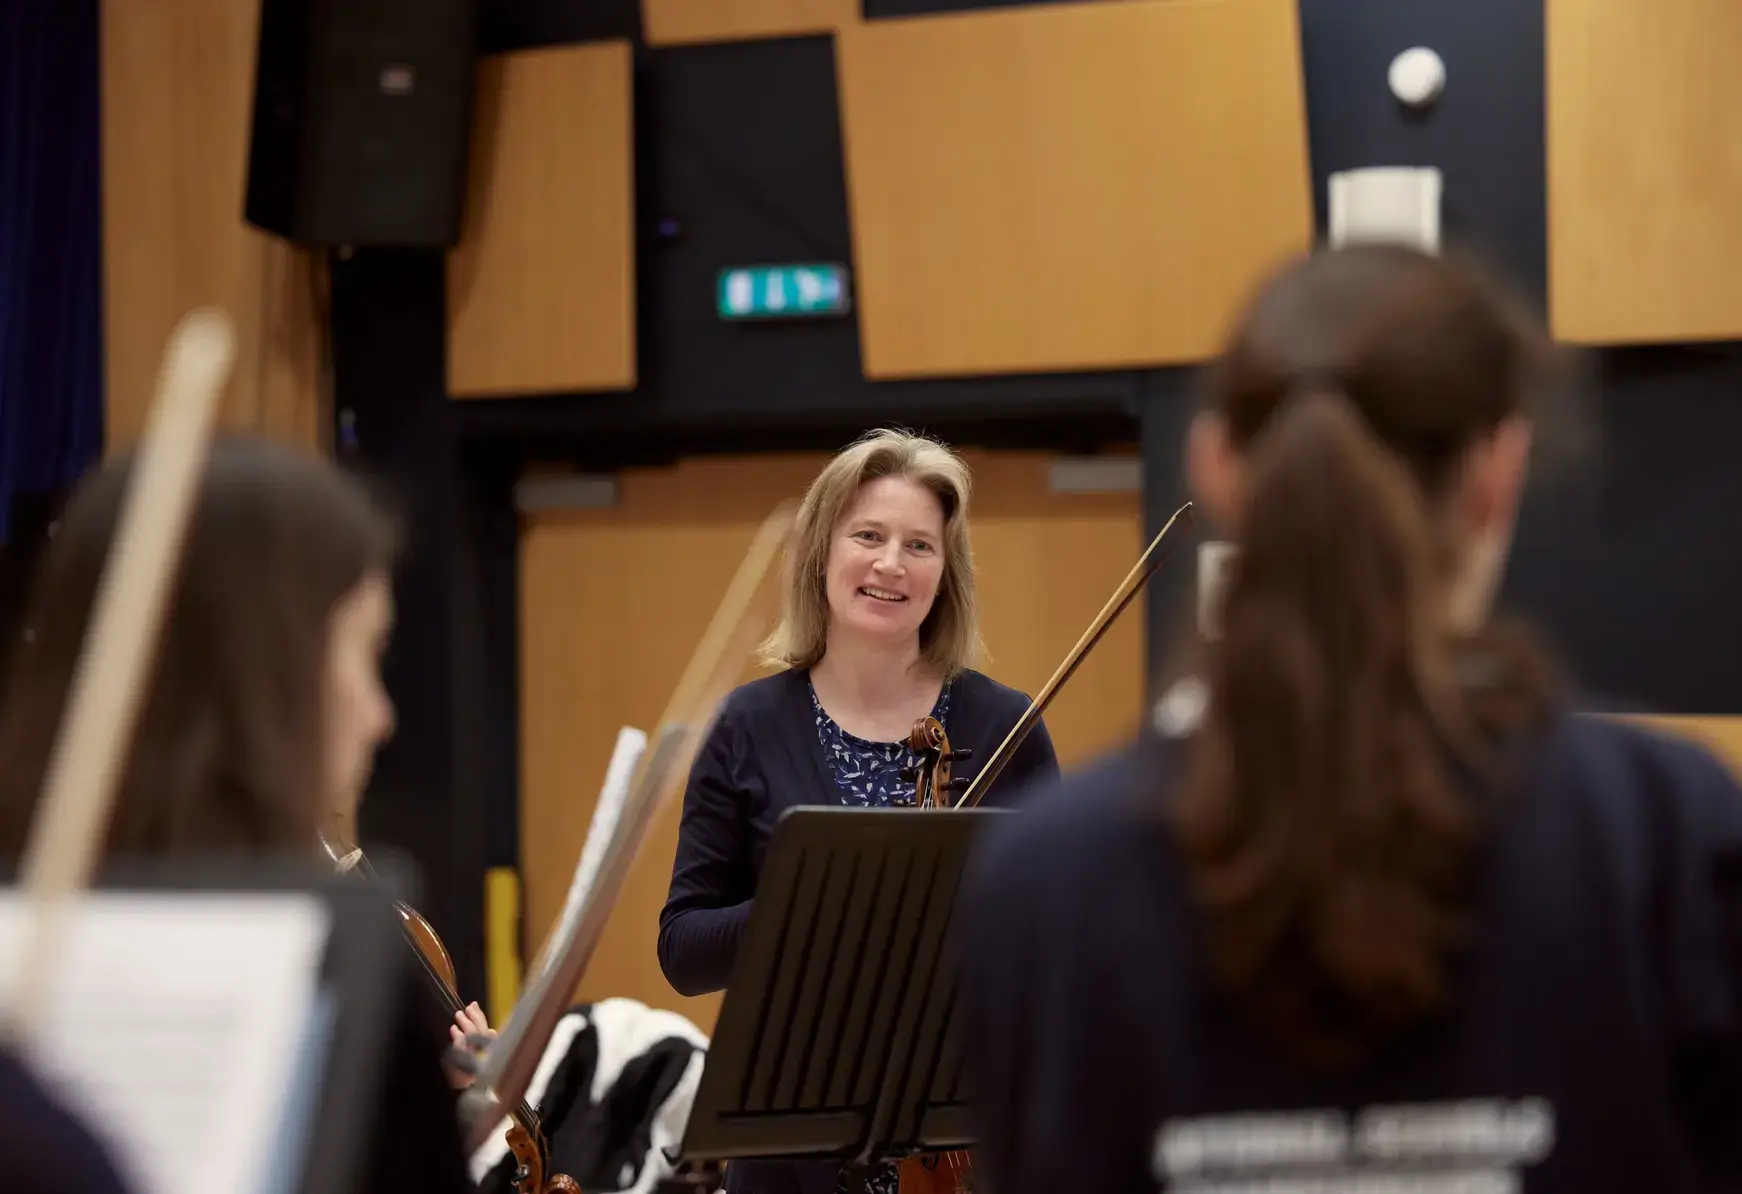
{"x": 879, "y": 627}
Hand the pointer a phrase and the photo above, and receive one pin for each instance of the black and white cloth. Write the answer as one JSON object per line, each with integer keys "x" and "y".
{"x": 613, "y": 1093}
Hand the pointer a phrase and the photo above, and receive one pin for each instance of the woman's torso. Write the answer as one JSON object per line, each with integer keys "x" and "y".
{"x": 805, "y": 758}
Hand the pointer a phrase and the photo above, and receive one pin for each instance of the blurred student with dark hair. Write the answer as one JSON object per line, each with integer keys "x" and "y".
{"x": 1370, "y": 908}
{"x": 260, "y": 719}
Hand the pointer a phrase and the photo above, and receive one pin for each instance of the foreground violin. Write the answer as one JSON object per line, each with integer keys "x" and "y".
{"x": 525, "y": 1137}
{"x": 952, "y": 1172}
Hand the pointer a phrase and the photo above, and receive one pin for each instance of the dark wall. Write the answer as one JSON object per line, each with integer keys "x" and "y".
{"x": 1626, "y": 558}
{"x": 1626, "y": 561}
{"x": 429, "y": 795}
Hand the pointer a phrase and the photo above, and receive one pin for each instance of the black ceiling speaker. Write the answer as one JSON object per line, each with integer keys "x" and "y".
{"x": 362, "y": 121}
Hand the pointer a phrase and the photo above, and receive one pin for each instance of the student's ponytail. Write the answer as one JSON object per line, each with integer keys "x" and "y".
{"x": 1327, "y": 820}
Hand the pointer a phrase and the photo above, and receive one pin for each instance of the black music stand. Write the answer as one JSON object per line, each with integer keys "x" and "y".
{"x": 837, "y": 1036}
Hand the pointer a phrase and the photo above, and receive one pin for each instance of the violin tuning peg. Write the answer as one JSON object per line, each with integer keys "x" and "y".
{"x": 959, "y": 784}
{"x": 909, "y": 775}
{"x": 961, "y": 754}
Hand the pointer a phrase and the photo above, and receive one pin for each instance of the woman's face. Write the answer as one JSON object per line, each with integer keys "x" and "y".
{"x": 886, "y": 561}
{"x": 359, "y": 714}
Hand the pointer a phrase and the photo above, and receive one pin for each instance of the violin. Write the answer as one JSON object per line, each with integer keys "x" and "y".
{"x": 952, "y": 1172}
{"x": 525, "y": 1138}
{"x": 931, "y": 777}
{"x": 947, "y": 1172}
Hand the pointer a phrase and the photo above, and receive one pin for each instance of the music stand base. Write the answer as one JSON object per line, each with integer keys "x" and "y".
{"x": 858, "y": 1178}
{"x": 690, "y": 1181}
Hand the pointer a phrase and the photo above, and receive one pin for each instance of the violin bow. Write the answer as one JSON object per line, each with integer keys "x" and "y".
{"x": 1148, "y": 564}
{"x": 713, "y": 670}
{"x": 120, "y": 646}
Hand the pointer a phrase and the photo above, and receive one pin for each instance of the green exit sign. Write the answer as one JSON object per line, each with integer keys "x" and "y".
{"x": 783, "y": 291}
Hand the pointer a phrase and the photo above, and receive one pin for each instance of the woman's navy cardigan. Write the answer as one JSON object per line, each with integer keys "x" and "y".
{"x": 763, "y": 757}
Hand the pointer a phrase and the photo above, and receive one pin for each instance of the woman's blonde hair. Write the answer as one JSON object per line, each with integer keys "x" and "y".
{"x": 949, "y": 638}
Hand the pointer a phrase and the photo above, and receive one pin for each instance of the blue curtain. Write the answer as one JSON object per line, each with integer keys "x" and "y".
{"x": 51, "y": 235}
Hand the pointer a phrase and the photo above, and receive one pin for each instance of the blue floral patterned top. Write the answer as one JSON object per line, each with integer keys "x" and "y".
{"x": 868, "y": 775}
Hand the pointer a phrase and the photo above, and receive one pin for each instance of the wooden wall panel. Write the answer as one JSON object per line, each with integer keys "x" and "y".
{"x": 541, "y": 289}
{"x": 178, "y": 88}
{"x": 679, "y": 22}
{"x": 613, "y": 602}
{"x": 1644, "y": 170}
{"x": 1061, "y": 187}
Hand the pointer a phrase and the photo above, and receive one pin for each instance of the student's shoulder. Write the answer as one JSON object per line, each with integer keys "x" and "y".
{"x": 1620, "y": 754}
{"x": 43, "y": 1146}
{"x": 1643, "y": 789}
{"x": 1072, "y": 820}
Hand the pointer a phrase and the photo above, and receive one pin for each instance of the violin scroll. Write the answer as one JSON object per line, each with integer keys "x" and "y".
{"x": 931, "y": 779}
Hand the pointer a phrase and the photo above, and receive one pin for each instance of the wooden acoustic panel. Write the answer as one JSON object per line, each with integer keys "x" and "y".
{"x": 541, "y": 288}
{"x": 1644, "y": 170}
{"x": 682, "y": 22}
{"x": 1069, "y": 187}
{"x": 178, "y": 89}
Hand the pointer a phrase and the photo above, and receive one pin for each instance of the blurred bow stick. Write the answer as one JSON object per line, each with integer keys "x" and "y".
{"x": 718, "y": 661}
{"x": 120, "y": 645}
{"x": 1148, "y": 564}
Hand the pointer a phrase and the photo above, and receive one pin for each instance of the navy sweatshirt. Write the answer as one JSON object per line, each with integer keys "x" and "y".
{"x": 1595, "y": 1044}
{"x": 763, "y": 757}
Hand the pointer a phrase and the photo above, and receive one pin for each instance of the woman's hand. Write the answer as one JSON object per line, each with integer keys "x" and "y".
{"x": 469, "y": 1023}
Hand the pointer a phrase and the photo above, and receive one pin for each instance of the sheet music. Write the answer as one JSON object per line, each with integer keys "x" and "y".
{"x": 176, "y": 1025}
{"x": 625, "y": 757}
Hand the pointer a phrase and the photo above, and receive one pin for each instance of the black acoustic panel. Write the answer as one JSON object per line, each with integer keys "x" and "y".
{"x": 1625, "y": 561}
{"x": 877, "y": 9}
{"x": 521, "y": 24}
{"x": 362, "y": 122}
{"x": 740, "y": 152}
{"x": 1485, "y": 132}
{"x": 1170, "y": 399}
{"x": 431, "y": 787}
{"x": 1627, "y": 558}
